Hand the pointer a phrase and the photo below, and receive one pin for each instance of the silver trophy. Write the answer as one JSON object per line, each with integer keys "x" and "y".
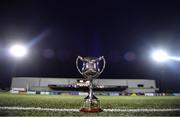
{"x": 90, "y": 69}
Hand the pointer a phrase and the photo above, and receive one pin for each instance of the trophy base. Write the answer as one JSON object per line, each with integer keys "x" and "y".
{"x": 91, "y": 110}
{"x": 91, "y": 106}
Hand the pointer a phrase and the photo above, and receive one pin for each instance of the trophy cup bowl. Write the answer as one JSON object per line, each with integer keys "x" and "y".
{"x": 90, "y": 69}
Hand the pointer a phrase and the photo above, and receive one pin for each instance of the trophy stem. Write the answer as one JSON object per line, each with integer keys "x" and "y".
{"x": 90, "y": 90}
{"x": 91, "y": 103}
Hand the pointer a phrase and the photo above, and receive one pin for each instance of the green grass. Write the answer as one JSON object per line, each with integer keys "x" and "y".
{"x": 108, "y": 102}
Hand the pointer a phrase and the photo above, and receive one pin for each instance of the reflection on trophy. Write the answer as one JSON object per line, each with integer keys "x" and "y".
{"x": 90, "y": 69}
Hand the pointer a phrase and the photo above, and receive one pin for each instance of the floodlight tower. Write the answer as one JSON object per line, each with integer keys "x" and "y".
{"x": 160, "y": 56}
{"x": 18, "y": 51}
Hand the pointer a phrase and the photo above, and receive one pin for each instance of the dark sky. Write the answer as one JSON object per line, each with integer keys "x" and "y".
{"x": 123, "y": 31}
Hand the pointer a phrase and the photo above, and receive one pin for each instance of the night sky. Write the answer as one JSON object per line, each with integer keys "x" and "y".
{"x": 124, "y": 31}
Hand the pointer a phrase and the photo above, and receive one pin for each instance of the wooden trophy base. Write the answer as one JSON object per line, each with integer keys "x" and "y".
{"x": 91, "y": 106}
{"x": 91, "y": 110}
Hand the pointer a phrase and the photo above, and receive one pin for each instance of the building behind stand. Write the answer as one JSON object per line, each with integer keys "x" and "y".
{"x": 79, "y": 86}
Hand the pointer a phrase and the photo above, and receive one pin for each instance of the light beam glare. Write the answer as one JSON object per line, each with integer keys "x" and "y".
{"x": 38, "y": 38}
{"x": 174, "y": 58}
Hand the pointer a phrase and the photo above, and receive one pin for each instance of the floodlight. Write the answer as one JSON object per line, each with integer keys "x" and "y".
{"x": 160, "y": 56}
{"x": 18, "y": 51}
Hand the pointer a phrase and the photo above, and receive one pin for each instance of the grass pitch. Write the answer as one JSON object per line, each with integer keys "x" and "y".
{"x": 75, "y": 102}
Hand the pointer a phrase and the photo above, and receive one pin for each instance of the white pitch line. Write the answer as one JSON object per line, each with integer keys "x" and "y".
{"x": 38, "y": 108}
{"x": 141, "y": 110}
{"x": 77, "y": 110}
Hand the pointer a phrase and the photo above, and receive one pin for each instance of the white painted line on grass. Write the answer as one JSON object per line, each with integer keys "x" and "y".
{"x": 38, "y": 109}
{"x": 77, "y": 110}
{"x": 141, "y": 110}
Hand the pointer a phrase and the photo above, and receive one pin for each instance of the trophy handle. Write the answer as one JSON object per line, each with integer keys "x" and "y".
{"x": 104, "y": 63}
{"x": 77, "y": 65}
